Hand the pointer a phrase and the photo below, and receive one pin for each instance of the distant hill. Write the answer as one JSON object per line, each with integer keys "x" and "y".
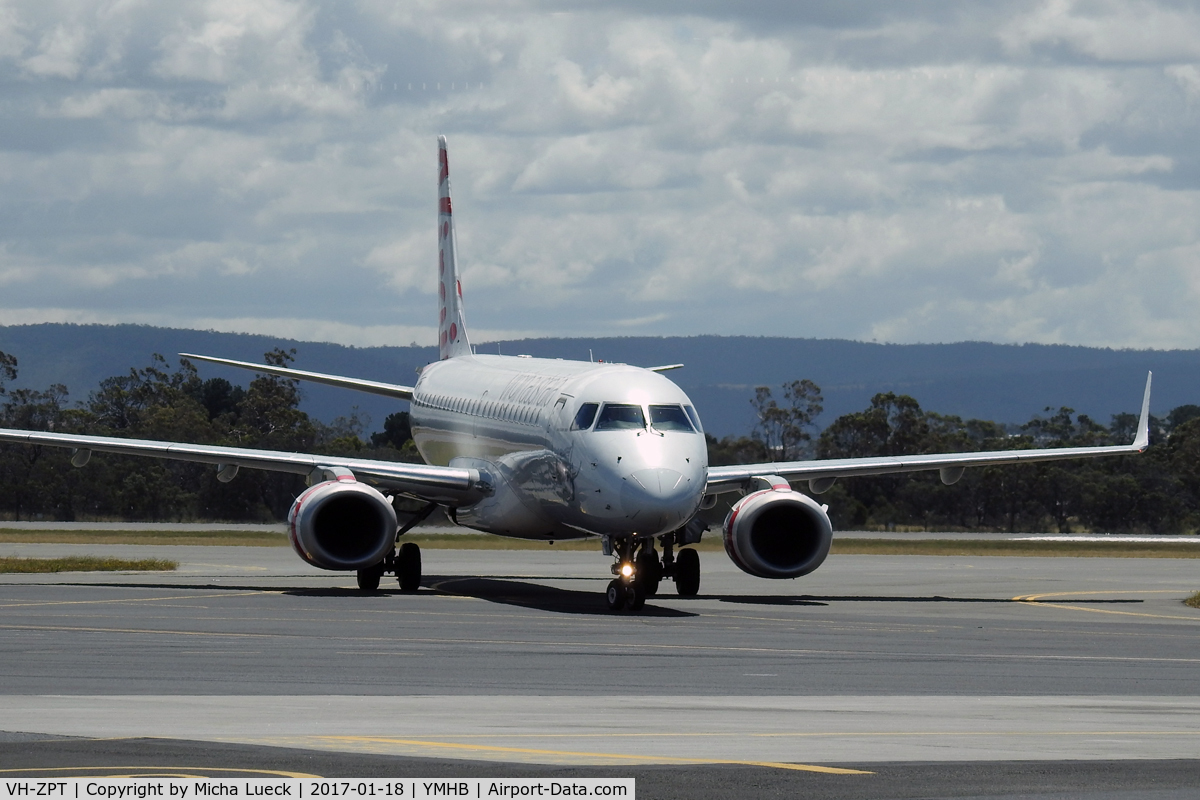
{"x": 1006, "y": 383}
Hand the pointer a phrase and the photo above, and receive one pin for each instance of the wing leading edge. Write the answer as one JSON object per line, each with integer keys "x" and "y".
{"x": 734, "y": 478}
{"x": 442, "y": 484}
{"x": 374, "y": 387}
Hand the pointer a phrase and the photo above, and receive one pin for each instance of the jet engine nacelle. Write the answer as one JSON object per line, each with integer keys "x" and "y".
{"x": 342, "y": 525}
{"x": 777, "y": 534}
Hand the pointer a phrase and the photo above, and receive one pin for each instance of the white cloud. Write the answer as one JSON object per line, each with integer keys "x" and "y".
{"x": 1005, "y": 172}
{"x": 59, "y": 53}
{"x": 1110, "y": 30}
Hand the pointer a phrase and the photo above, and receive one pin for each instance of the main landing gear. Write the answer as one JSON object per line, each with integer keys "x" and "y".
{"x": 405, "y": 564}
{"x": 639, "y": 570}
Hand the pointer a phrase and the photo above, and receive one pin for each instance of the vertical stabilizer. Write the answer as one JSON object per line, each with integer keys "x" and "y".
{"x": 452, "y": 328}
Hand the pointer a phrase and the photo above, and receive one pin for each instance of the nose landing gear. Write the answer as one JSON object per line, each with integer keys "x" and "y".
{"x": 639, "y": 570}
{"x": 636, "y": 575}
{"x": 625, "y": 594}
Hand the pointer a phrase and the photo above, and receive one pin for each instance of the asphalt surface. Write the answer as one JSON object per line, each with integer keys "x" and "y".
{"x": 1042, "y": 780}
{"x": 956, "y": 677}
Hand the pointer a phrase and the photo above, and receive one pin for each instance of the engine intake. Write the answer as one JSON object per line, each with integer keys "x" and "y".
{"x": 342, "y": 525}
{"x": 777, "y": 534}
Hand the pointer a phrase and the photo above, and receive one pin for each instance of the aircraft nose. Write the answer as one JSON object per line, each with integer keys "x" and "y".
{"x": 658, "y": 483}
{"x": 661, "y": 497}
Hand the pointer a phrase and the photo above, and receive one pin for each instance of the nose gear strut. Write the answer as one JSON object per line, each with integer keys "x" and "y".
{"x": 638, "y": 572}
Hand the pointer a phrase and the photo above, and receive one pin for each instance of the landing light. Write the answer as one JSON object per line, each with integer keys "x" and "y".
{"x": 626, "y": 570}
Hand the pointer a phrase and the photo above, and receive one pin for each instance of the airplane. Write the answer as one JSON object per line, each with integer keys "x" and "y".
{"x": 552, "y": 450}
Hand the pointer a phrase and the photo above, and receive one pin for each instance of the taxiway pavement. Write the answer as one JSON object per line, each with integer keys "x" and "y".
{"x": 511, "y": 657}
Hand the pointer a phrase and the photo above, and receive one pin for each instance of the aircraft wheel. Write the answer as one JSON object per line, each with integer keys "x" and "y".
{"x": 635, "y": 597}
{"x": 368, "y": 577}
{"x": 687, "y": 572}
{"x": 649, "y": 572}
{"x": 615, "y": 595}
{"x": 408, "y": 567}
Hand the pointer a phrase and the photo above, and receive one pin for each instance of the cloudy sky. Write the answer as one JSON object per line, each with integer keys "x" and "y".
{"x": 922, "y": 171}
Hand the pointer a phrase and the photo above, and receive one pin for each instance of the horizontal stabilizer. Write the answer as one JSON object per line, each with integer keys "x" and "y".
{"x": 665, "y": 367}
{"x": 373, "y": 387}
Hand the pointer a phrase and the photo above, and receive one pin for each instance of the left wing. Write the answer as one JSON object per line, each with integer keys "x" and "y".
{"x": 449, "y": 485}
{"x": 822, "y": 474}
{"x": 374, "y": 387}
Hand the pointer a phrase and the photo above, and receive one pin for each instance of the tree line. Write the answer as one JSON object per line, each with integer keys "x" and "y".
{"x": 1158, "y": 491}
{"x": 157, "y": 402}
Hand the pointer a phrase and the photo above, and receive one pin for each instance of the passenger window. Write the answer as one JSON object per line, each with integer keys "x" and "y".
{"x": 621, "y": 417}
{"x": 669, "y": 418}
{"x": 585, "y": 417}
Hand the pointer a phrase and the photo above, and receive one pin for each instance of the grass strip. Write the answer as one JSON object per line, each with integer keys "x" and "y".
{"x": 10, "y": 564}
{"x": 1193, "y": 601}
{"x": 211, "y": 538}
{"x": 1008, "y": 547}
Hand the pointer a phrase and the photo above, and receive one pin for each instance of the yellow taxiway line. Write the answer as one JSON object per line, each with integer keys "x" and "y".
{"x": 1040, "y": 600}
{"x": 644, "y": 759}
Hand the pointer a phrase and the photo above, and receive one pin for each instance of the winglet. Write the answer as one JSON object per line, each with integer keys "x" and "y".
{"x": 1143, "y": 432}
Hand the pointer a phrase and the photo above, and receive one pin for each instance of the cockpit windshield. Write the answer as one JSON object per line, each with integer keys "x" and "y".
{"x": 585, "y": 417}
{"x": 670, "y": 418}
{"x": 621, "y": 417}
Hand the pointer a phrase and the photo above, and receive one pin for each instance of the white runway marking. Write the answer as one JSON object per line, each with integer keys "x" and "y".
{"x": 1121, "y": 538}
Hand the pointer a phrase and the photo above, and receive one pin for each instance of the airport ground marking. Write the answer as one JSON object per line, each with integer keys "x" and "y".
{"x": 118, "y": 600}
{"x": 609, "y": 645}
{"x": 645, "y": 759}
{"x": 1119, "y": 613}
{"x": 1037, "y": 600}
{"x": 82, "y": 629}
{"x": 749, "y": 735}
{"x": 781, "y": 651}
{"x": 1034, "y": 598}
{"x": 238, "y": 567}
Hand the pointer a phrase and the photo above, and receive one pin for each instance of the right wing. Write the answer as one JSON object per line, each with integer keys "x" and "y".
{"x": 449, "y": 485}
{"x": 374, "y": 387}
{"x": 821, "y": 474}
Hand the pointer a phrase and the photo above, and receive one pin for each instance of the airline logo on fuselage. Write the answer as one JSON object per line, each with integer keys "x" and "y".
{"x": 532, "y": 389}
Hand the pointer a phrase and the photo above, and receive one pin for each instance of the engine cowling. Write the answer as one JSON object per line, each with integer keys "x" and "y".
{"x": 342, "y": 525}
{"x": 777, "y": 534}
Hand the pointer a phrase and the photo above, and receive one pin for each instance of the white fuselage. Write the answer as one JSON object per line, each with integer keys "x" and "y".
{"x": 572, "y": 448}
